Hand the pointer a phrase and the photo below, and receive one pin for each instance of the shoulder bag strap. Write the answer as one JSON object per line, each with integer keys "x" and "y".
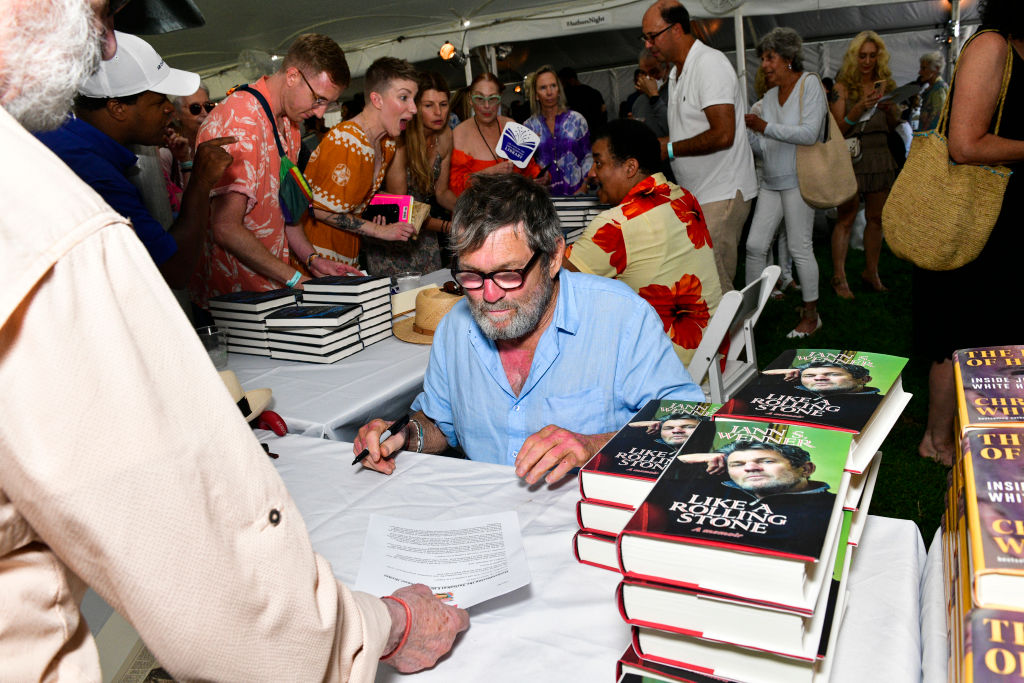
{"x": 943, "y": 125}
{"x": 270, "y": 115}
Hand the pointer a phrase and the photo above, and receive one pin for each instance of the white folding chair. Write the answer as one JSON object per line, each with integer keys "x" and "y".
{"x": 733, "y": 322}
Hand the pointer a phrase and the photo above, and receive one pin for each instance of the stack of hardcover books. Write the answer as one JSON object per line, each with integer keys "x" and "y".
{"x": 241, "y": 315}
{"x": 618, "y": 478}
{"x": 575, "y": 214}
{"x": 314, "y": 333}
{"x": 371, "y": 293}
{"x": 734, "y": 563}
{"x": 983, "y": 526}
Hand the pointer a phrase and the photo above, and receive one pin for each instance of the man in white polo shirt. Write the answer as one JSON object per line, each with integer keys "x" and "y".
{"x": 707, "y": 143}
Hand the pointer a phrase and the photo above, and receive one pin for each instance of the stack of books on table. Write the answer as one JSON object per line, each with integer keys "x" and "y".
{"x": 314, "y": 333}
{"x": 575, "y": 214}
{"x": 983, "y": 526}
{"x": 241, "y": 316}
{"x": 371, "y": 293}
{"x": 618, "y": 478}
{"x": 734, "y": 563}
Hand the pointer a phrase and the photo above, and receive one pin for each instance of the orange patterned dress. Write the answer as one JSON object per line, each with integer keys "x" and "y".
{"x": 340, "y": 172}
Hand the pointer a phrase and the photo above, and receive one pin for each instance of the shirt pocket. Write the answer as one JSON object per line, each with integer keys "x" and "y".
{"x": 590, "y": 411}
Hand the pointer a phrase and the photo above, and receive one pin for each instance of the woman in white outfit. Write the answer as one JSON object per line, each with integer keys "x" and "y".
{"x": 792, "y": 113}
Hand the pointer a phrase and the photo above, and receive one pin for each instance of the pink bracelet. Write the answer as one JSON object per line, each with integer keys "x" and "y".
{"x": 408, "y": 626}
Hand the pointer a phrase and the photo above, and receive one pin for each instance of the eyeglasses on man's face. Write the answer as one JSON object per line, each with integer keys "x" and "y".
{"x": 195, "y": 108}
{"x": 506, "y": 279}
{"x": 486, "y": 99}
{"x": 651, "y": 37}
{"x": 318, "y": 100}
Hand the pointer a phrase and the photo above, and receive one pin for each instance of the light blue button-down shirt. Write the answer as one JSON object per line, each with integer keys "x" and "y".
{"x": 602, "y": 357}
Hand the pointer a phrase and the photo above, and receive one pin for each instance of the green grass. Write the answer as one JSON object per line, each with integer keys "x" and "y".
{"x": 908, "y": 486}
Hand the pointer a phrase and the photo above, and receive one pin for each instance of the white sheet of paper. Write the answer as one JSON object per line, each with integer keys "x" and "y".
{"x": 464, "y": 561}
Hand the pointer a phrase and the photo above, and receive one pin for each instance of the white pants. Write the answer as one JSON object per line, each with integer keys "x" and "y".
{"x": 772, "y": 206}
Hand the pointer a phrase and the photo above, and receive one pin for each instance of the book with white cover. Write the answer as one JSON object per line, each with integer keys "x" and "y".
{"x": 738, "y": 622}
{"x": 602, "y": 518}
{"x": 597, "y": 550}
{"x": 331, "y": 357}
{"x": 379, "y": 336}
{"x": 745, "y": 664}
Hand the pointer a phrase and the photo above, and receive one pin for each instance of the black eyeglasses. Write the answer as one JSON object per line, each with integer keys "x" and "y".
{"x": 506, "y": 279}
{"x": 318, "y": 100}
{"x": 195, "y": 108}
{"x": 651, "y": 37}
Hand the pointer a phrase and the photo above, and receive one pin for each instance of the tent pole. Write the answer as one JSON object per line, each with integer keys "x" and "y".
{"x": 954, "y": 45}
{"x": 741, "y": 57}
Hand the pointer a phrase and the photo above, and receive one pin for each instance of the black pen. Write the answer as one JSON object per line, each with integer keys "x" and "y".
{"x": 396, "y": 426}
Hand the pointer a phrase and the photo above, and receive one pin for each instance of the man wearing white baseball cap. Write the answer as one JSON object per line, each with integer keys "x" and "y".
{"x": 125, "y": 103}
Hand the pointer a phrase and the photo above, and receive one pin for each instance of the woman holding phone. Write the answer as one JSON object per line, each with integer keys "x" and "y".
{"x": 862, "y": 81}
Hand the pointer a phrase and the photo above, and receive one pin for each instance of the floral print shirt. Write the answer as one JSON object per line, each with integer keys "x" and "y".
{"x": 255, "y": 174}
{"x": 656, "y": 242}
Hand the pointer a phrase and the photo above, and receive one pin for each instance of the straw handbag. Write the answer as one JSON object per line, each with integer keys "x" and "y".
{"x": 939, "y": 214}
{"x": 824, "y": 169}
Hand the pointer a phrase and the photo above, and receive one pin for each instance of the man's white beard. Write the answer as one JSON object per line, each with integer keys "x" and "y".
{"x": 48, "y": 49}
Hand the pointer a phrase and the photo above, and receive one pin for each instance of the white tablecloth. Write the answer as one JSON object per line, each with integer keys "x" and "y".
{"x": 934, "y": 635}
{"x": 333, "y": 401}
{"x": 564, "y": 625}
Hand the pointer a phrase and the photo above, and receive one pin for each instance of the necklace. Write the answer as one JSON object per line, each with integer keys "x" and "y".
{"x": 486, "y": 144}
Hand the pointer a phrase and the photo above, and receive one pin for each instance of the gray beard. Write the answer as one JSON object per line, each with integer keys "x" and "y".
{"x": 525, "y": 317}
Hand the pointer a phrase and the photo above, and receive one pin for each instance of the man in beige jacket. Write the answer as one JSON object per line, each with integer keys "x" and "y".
{"x": 124, "y": 464}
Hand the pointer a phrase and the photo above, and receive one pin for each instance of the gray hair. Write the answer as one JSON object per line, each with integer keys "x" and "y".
{"x": 493, "y": 202}
{"x": 786, "y": 43}
{"x": 934, "y": 60}
{"x": 176, "y": 101}
{"x": 645, "y": 54}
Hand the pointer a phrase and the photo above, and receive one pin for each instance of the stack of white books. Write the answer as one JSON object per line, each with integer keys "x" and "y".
{"x": 241, "y": 315}
{"x": 371, "y": 293}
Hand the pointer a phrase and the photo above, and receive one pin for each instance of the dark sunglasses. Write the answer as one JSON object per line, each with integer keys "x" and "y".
{"x": 195, "y": 108}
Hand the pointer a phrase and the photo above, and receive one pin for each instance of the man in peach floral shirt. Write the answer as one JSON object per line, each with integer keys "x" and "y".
{"x": 655, "y": 239}
{"x": 250, "y": 246}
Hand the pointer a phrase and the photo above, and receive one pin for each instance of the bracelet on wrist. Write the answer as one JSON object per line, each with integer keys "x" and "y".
{"x": 405, "y": 632}
{"x": 419, "y": 435}
{"x": 309, "y": 260}
{"x": 294, "y": 279}
{"x": 185, "y": 165}
{"x": 670, "y": 151}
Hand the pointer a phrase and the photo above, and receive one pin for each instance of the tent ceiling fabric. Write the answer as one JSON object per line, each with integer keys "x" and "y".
{"x": 415, "y": 29}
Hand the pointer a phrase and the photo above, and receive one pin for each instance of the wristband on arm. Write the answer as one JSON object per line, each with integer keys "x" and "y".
{"x": 294, "y": 279}
{"x": 408, "y": 626}
{"x": 671, "y": 152}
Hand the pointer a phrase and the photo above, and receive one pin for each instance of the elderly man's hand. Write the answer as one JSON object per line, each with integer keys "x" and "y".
{"x": 433, "y": 630}
{"x": 369, "y": 438}
{"x": 556, "y": 449}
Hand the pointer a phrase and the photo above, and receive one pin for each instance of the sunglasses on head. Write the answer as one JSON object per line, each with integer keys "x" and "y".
{"x": 195, "y": 108}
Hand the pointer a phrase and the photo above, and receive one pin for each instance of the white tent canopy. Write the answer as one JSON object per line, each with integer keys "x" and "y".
{"x": 240, "y": 38}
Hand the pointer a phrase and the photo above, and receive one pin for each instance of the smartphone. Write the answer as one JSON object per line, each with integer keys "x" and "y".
{"x": 879, "y": 86}
{"x": 389, "y": 211}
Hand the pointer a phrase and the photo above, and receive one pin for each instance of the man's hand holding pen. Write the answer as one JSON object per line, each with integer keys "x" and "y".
{"x": 379, "y": 451}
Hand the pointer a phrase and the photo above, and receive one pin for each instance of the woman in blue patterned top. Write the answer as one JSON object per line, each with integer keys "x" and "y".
{"x": 564, "y": 137}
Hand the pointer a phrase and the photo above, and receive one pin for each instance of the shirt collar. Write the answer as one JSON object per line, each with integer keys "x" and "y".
{"x": 646, "y": 186}
{"x": 101, "y": 143}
